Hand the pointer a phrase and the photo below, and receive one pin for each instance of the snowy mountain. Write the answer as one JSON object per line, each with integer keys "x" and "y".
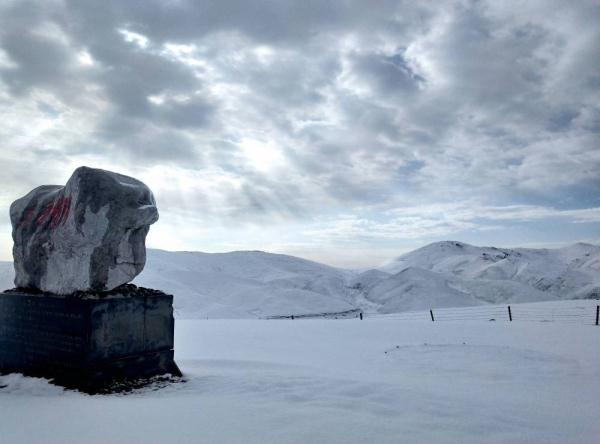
{"x": 491, "y": 275}
{"x": 246, "y": 284}
{"x": 250, "y": 284}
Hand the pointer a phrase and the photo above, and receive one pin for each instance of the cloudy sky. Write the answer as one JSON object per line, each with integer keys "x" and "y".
{"x": 342, "y": 131}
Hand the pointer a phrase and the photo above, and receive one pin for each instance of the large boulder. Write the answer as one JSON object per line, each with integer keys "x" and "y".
{"x": 88, "y": 235}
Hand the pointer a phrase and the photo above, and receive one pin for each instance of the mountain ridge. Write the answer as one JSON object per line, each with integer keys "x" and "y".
{"x": 250, "y": 284}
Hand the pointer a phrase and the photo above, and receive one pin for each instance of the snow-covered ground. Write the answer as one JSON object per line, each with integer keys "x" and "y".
{"x": 380, "y": 380}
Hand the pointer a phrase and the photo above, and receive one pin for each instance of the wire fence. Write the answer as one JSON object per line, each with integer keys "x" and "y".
{"x": 586, "y": 312}
{"x": 581, "y": 314}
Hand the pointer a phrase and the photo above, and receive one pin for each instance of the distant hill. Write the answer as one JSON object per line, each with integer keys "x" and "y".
{"x": 246, "y": 284}
{"x": 249, "y": 284}
{"x": 496, "y": 275}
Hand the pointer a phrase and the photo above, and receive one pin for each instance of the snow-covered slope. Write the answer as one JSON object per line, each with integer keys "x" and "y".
{"x": 246, "y": 284}
{"x": 416, "y": 289}
{"x": 493, "y": 275}
{"x": 253, "y": 284}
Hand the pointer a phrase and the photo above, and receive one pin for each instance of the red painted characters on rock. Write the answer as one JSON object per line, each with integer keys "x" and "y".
{"x": 56, "y": 212}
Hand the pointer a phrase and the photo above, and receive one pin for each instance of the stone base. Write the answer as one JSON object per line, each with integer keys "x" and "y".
{"x": 88, "y": 341}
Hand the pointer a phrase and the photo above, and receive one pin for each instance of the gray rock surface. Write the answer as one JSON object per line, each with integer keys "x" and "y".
{"x": 88, "y": 235}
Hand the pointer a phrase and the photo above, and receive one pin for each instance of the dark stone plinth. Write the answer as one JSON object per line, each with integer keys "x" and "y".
{"x": 87, "y": 341}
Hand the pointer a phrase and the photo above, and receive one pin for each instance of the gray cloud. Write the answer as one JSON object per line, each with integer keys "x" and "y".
{"x": 387, "y": 74}
{"x": 39, "y": 62}
{"x": 296, "y": 110}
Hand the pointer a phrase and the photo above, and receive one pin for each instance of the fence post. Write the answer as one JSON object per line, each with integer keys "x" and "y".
{"x": 431, "y": 313}
{"x": 509, "y": 314}
{"x": 597, "y": 313}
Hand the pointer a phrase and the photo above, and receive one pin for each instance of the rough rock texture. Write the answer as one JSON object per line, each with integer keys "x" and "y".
{"x": 88, "y": 235}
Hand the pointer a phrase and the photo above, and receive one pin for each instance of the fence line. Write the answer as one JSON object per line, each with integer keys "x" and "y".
{"x": 510, "y": 313}
{"x": 587, "y": 315}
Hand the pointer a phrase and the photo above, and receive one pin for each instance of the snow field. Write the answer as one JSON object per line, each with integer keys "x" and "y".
{"x": 382, "y": 380}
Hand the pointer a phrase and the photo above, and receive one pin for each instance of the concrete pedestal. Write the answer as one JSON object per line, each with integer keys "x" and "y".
{"x": 88, "y": 341}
